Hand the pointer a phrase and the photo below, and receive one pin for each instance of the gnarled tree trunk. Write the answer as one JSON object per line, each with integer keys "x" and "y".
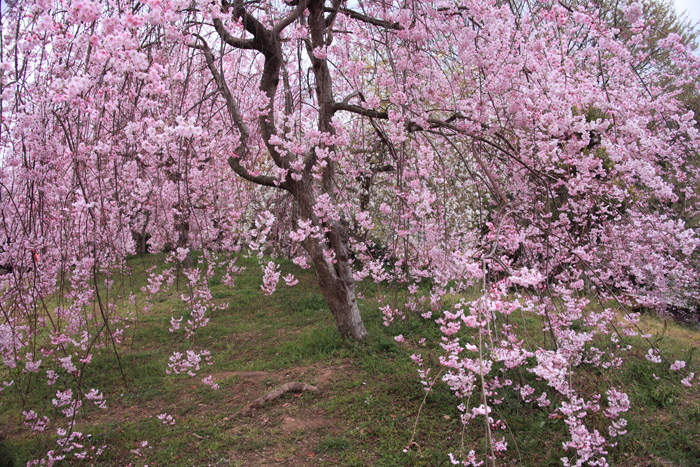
{"x": 330, "y": 256}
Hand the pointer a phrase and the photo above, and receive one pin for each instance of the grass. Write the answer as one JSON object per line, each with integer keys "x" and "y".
{"x": 366, "y": 411}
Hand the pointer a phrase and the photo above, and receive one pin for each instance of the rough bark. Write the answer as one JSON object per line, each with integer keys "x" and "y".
{"x": 331, "y": 260}
{"x": 338, "y": 288}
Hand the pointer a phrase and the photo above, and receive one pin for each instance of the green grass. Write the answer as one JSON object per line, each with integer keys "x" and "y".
{"x": 366, "y": 409}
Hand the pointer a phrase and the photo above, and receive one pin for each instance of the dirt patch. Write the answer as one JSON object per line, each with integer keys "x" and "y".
{"x": 327, "y": 375}
{"x": 290, "y": 429}
{"x": 318, "y": 375}
{"x": 310, "y": 422}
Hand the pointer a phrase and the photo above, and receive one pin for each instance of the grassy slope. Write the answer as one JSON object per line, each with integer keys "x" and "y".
{"x": 365, "y": 412}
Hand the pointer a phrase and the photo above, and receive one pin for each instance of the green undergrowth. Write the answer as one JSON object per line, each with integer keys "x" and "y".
{"x": 370, "y": 408}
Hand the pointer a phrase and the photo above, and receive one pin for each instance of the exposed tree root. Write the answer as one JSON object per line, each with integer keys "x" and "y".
{"x": 276, "y": 393}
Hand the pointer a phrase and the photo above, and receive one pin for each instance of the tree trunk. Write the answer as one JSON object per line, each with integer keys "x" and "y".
{"x": 334, "y": 276}
{"x": 140, "y": 241}
{"x": 333, "y": 271}
{"x": 338, "y": 288}
{"x": 183, "y": 235}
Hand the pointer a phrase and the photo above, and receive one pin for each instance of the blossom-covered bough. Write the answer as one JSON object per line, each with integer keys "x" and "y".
{"x": 534, "y": 150}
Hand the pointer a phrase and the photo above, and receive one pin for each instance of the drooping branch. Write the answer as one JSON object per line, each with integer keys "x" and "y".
{"x": 250, "y": 23}
{"x": 361, "y": 110}
{"x": 267, "y": 42}
{"x": 365, "y": 19}
{"x": 235, "y": 114}
{"x": 437, "y": 124}
{"x": 246, "y": 44}
{"x": 291, "y": 17}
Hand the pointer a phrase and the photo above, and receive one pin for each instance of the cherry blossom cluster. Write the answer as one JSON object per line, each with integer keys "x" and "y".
{"x": 529, "y": 151}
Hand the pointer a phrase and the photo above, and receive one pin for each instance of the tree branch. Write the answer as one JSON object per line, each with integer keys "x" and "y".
{"x": 234, "y": 42}
{"x": 289, "y": 19}
{"x": 360, "y": 110}
{"x": 237, "y": 118}
{"x": 365, "y": 19}
{"x": 250, "y": 23}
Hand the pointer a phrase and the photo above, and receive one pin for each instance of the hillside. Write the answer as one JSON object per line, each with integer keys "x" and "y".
{"x": 369, "y": 405}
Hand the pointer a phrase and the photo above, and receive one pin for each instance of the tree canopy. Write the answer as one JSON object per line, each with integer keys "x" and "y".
{"x": 541, "y": 151}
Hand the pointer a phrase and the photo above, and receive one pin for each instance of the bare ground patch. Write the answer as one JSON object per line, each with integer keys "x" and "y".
{"x": 286, "y": 431}
{"x": 288, "y": 435}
